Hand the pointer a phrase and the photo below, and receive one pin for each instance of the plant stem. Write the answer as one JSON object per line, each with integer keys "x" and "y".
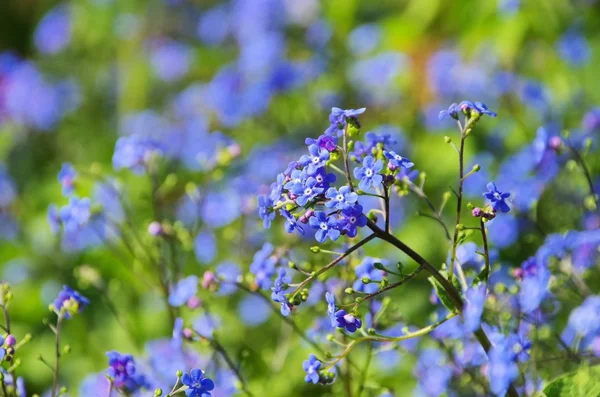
{"x": 458, "y": 201}
{"x": 57, "y": 355}
{"x": 345, "y": 155}
{"x": 485, "y": 249}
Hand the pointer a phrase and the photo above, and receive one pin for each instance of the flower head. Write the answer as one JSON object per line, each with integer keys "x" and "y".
{"x": 338, "y": 119}
{"x": 497, "y": 198}
{"x": 307, "y": 192}
{"x": 340, "y": 199}
{"x": 70, "y": 302}
{"x": 369, "y": 173}
{"x": 122, "y": 371}
{"x": 316, "y": 159}
{"x": 327, "y": 226}
{"x": 197, "y": 384}
{"x": 352, "y": 218}
{"x": 451, "y": 112}
{"x": 264, "y": 211}
{"x": 397, "y": 161}
{"x": 469, "y": 107}
{"x": 66, "y": 177}
{"x": 331, "y": 309}
{"x": 311, "y": 367}
{"x": 347, "y": 320}
{"x": 183, "y": 291}
{"x": 291, "y": 223}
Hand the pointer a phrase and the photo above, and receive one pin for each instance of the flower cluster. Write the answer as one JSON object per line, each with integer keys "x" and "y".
{"x": 122, "y": 371}
{"x": 69, "y": 302}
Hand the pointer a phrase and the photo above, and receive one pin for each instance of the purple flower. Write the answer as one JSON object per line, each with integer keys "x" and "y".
{"x": 316, "y": 159}
{"x": 311, "y": 367}
{"x": 497, "y": 198}
{"x": 327, "y": 142}
{"x": 70, "y": 302}
{"x": 66, "y": 177}
{"x": 327, "y": 226}
{"x": 264, "y": 211}
{"x": 331, "y": 309}
{"x": 347, "y": 320}
{"x": 397, "y": 161}
{"x": 339, "y": 119}
{"x": 197, "y": 384}
{"x": 369, "y": 173}
{"x": 451, "y": 112}
{"x": 340, "y": 199}
{"x": 307, "y": 192}
{"x": 183, "y": 291}
{"x": 122, "y": 371}
{"x": 352, "y": 219}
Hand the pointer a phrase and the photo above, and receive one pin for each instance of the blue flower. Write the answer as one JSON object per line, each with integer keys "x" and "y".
{"x": 328, "y": 226}
{"x": 369, "y": 173}
{"x": 316, "y": 159}
{"x": 228, "y": 274}
{"x": 279, "y": 287}
{"x": 574, "y": 48}
{"x": 291, "y": 223}
{"x": 331, "y": 309}
{"x": 53, "y": 33}
{"x": 170, "y": 60}
{"x": 433, "y": 373}
{"x": 474, "y": 302}
{"x": 352, "y": 219}
{"x": 183, "y": 291}
{"x": 497, "y": 198}
{"x": 263, "y": 266}
{"x": 339, "y": 119}
{"x": 342, "y": 199}
{"x": 264, "y": 211}
{"x": 397, "y": 161}
{"x": 307, "y": 192}
{"x": 451, "y": 112}
{"x": 277, "y": 188}
{"x": 347, "y": 320}
{"x": 311, "y": 367}
{"x": 197, "y": 384}
{"x": 479, "y": 107}
{"x": 323, "y": 179}
{"x": 122, "y": 371}
{"x": 367, "y": 270}
{"x": 134, "y": 152}
{"x": 76, "y": 214}
{"x": 66, "y": 178}
{"x": 70, "y": 302}
{"x": 502, "y": 369}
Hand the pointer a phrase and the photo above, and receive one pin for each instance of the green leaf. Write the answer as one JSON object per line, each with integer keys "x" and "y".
{"x": 583, "y": 383}
{"x": 441, "y": 293}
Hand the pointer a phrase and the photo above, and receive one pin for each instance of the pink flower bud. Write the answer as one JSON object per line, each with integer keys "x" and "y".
{"x": 193, "y": 302}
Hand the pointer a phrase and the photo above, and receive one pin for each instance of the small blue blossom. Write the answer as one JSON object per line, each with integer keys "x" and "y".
{"x": 66, "y": 177}
{"x": 295, "y": 179}
{"x": 228, "y": 274}
{"x": 311, "y": 367}
{"x": 339, "y": 119}
{"x": 331, "y": 309}
{"x": 497, "y": 198}
{"x": 264, "y": 211}
{"x": 397, "y": 161}
{"x": 347, "y": 320}
{"x": 340, "y": 199}
{"x": 277, "y": 188}
{"x": 279, "y": 287}
{"x": 369, "y": 173}
{"x": 307, "y": 192}
{"x": 352, "y": 218}
{"x": 316, "y": 159}
{"x": 291, "y": 223}
{"x": 122, "y": 371}
{"x": 70, "y": 302}
{"x": 367, "y": 270}
{"x": 134, "y": 152}
{"x": 502, "y": 370}
{"x": 53, "y": 33}
{"x": 479, "y": 107}
{"x": 263, "y": 266}
{"x": 197, "y": 384}
{"x": 327, "y": 226}
{"x": 451, "y": 112}
{"x": 76, "y": 214}
{"x": 474, "y": 302}
{"x": 324, "y": 180}
{"x": 574, "y": 48}
{"x": 183, "y": 291}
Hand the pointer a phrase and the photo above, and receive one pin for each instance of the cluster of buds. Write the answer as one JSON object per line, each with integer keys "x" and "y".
{"x": 5, "y": 294}
{"x": 486, "y": 213}
{"x": 7, "y": 349}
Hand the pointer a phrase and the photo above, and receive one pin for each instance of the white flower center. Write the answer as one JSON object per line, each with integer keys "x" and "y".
{"x": 497, "y": 196}
{"x": 308, "y": 191}
{"x": 352, "y": 219}
{"x": 368, "y": 172}
{"x": 315, "y": 160}
{"x": 340, "y": 197}
{"x": 323, "y": 226}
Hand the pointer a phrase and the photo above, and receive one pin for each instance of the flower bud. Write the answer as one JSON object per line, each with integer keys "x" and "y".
{"x": 10, "y": 340}
{"x": 477, "y": 212}
{"x": 476, "y": 168}
{"x": 193, "y": 302}
{"x": 349, "y": 291}
{"x": 555, "y": 143}
{"x": 447, "y": 139}
{"x": 155, "y": 229}
{"x": 315, "y": 249}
